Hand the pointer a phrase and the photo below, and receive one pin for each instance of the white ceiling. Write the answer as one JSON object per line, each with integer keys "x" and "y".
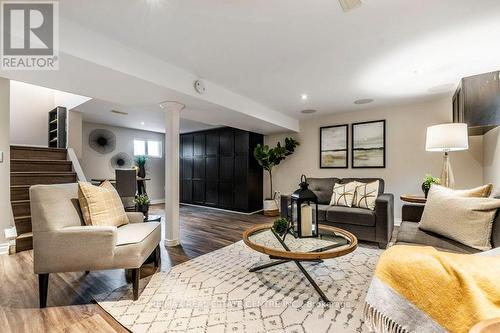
{"x": 272, "y": 51}
{"x": 142, "y": 117}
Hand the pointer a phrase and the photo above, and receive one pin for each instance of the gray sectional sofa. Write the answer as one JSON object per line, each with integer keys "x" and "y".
{"x": 410, "y": 234}
{"x": 368, "y": 225}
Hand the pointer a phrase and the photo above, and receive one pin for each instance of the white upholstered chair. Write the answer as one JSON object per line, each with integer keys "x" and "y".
{"x": 62, "y": 243}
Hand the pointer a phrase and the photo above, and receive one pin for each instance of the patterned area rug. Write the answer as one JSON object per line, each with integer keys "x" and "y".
{"x": 216, "y": 293}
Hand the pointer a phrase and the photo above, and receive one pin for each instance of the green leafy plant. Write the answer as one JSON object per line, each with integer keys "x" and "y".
{"x": 142, "y": 200}
{"x": 280, "y": 226}
{"x": 141, "y": 160}
{"x": 428, "y": 181}
{"x": 268, "y": 158}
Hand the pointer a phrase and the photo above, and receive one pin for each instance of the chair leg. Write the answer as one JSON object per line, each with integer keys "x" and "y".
{"x": 87, "y": 272}
{"x": 136, "y": 274}
{"x": 157, "y": 256}
{"x": 43, "y": 286}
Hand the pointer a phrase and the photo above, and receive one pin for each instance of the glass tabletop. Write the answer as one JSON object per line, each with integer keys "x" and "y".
{"x": 330, "y": 240}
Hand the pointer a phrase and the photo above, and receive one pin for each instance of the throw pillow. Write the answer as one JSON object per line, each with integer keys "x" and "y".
{"x": 365, "y": 195}
{"x": 343, "y": 194}
{"x": 479, "y": 192}
{"x": 468, "y": 220}
{"x": 101, "y": 205}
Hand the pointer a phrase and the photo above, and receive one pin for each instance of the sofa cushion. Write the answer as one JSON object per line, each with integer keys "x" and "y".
{"x": 381, "y": 185}
{"x": 409, "y": 233}
{"x": 135, "y": 232}
{"x": 323, "y": 188}
{"x": 322, "y": 211}
{"x": 351, "y": 215}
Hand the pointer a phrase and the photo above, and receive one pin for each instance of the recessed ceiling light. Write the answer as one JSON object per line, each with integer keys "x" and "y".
{"x": 142, "y": 123}
{"x": 303, "y": 97}
{"x": 309, "y": 111}
{"x": 121, "y": 113}
{"x": 363, "y": 101}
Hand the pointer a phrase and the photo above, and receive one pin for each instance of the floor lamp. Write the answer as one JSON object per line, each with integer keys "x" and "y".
{"x": 446, "y": 138}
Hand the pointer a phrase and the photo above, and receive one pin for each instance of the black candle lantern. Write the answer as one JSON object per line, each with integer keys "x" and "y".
{"x": 305, "y": 204}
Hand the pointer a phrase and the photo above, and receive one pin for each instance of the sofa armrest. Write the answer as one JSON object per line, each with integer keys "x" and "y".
{"x": 135, "y": 217}
{"x": 384, "y": 212}
{"x": 285, "y": 201}
{"x": 71, "y": 248}
{"x": 412, "y": 212}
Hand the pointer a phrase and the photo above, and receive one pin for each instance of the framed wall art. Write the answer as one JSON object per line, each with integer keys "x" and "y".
{"x": 334, "y": 147}
{"x": 368, "y": 144}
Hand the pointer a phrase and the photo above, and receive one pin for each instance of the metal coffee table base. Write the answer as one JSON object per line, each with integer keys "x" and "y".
{"x": 302, "y": 269}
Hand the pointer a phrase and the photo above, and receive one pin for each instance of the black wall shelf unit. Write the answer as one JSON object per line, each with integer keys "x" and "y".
{"x": 57, "y": 127}
{"x": 218, "y": 169}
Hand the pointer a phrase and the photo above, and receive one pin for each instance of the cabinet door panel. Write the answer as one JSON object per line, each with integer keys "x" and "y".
{"x": 226, "y": 168}
{"x": 187, "y": 168}
{"x": 199, "y": 191}
{"x": 241, "y": 141}
{"x": 240, "y": 169}
{"x": 187, "y": 191}
{"x": 226, "y": 195}
{"x": 212, "y": 169}
{"x": 211, "y": 193}
{"x": 212, "y": 143}
{"x": 187, "y": 145}
{"x": 199, "y": 144}
{"x": 226, "y": 141}
{"x": 199, "y": 168}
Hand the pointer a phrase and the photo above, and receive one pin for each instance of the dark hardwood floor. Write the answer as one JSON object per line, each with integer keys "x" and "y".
{"x": 70, "y": 307}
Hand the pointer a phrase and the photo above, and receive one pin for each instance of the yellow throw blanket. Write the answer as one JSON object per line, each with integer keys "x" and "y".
{"x": 421, "y": 289}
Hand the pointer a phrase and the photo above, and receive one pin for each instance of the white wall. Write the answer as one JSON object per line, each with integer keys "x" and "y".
{"x": 491, "y": 159}
{"x": 5, "y": 209}
{"x": 407, "y": 161}
{"x": 30, "y": 105}
{"x": 75, "y": 134}
{"x": 96, "y": 165}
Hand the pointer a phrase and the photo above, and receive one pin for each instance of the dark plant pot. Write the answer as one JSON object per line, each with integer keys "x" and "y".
{"x": 142, "y": 172}
{"x": 143, "y": 209}
{"x": 425, "y": 189}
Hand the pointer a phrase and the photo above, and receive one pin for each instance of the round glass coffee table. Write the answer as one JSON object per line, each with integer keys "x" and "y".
{"x": 331, "y": 243}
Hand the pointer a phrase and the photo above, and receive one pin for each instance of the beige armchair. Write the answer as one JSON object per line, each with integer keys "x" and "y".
{"x": 62, "y": 243}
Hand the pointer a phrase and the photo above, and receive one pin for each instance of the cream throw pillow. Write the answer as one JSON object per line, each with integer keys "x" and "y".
{"x": 101, "y": 205}
{"x": 468, "y": 220}
{"x": 343, "y": 194}
{"x": 366, "y": 194}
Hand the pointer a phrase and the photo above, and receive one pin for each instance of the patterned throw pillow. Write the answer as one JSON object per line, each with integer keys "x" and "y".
{"x": 365, "y": 195}
{"x": 343, "y": 194}
{"x": 101, "y": 205}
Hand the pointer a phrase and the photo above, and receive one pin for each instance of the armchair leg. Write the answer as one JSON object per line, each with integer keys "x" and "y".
{"x": 43, "y": 286}
{"x": 87, "y": 272}
{"x": 136, "y": 274}
{"x": 157, "y": 256}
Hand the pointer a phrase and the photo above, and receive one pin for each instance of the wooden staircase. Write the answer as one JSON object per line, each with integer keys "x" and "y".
{"x": 32, "y": 166}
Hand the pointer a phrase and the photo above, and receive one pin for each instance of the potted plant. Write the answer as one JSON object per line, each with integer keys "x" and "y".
{"x": 428, "y": 181}
{"x": 140, "y": 162}
{"x": 142, "y": 202}
{"x": 268, "y": 158}
{"x": 280, "y": 226}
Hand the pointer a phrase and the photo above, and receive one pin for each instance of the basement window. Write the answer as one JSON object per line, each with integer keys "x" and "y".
{"x": 149, "y": 148}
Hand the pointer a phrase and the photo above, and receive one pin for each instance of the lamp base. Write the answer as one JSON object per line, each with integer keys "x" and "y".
{"x": 447, "y": 178}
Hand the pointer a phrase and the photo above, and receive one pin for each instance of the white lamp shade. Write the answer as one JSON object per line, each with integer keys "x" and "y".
{"x": 447, "y": 137}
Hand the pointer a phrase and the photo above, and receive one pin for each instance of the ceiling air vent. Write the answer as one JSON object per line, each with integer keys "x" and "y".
{"x": 121, "y": 113}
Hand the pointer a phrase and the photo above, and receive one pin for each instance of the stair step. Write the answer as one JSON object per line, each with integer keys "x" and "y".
{"x": 24, "y": 242}
{"x": 23, "y": 224}
{"x": 35, "y": 178}
{"x": 20, "y": 207}
{"x": 37, "y": 153}
{"x": 24, "y": 165}
{"x": 20, "y": 192}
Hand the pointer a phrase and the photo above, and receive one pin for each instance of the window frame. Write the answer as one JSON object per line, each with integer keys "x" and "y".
{"x": 146, "y": 152}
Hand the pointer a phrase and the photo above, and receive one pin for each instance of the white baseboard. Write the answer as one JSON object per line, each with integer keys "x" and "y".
{"x": 222, "y": 210}
{"x": 157, "y": 201}
{"x": 397, "y": 221}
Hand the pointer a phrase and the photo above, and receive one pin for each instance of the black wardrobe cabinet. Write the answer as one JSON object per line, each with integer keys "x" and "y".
{"x": 218, "y": 169}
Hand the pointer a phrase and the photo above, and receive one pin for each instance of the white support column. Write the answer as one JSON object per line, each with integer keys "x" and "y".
{"x": 172, "y": 142}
